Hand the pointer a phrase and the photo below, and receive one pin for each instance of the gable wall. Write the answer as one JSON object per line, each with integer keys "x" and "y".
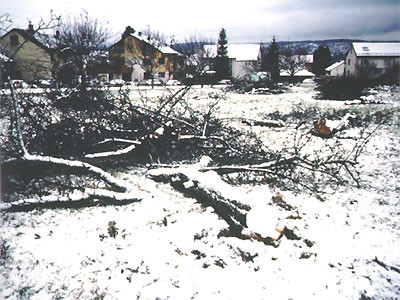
{"x": 31, "y": 61}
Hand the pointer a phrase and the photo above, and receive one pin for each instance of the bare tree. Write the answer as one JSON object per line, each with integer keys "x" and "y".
{"x": 293, "y": 60}
{"x": 5, "y": 23}
{"x": 367, "y": 70}
{"x": 82, "y": 43}
{"x": 198, "y": 58}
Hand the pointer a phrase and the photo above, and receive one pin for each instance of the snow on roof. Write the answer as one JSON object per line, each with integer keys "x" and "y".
{"x": 304, "y": 73}
{"x": 377, "y": 49}
{"x": 237, "y": 51}
{"x": 335, "y": 65}
{"x": 155, "y": 43}
{"x": 301, "y": 73}
{"x": 168, "y": 50}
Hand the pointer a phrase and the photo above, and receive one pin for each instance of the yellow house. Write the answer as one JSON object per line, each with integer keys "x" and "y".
{"x": 136, "y": 57}
{"x": 32, "y": 58}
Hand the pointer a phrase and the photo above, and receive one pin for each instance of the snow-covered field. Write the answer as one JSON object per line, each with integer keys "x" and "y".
{"x": 168, "y": 246}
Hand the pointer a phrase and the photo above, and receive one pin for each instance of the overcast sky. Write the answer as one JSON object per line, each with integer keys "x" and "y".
{"x": 244, "y": 21}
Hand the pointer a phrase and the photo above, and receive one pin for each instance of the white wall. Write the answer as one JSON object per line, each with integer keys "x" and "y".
{"x": 338, "y": 71}
{"x": 242, "y": 68}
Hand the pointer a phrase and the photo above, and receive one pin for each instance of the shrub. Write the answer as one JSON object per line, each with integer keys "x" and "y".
{"x": 341, "y": 88}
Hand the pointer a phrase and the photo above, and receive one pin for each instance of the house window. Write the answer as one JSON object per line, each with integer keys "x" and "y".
{"x": 348, "y": 61}
{"x": 146, "y": 61}
{"x": 14, "y": 40}
{"x": 387, "y": 62}
{"x": 161, "y": 74}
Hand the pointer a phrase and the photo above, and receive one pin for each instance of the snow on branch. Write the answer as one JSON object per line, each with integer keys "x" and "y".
{"x": 85, "y": 198}
{"x": 107, "y": 177}
{"x": 248, "y": 215}
{"x": 209, "y": 189}
{"x": 112, "y": 153}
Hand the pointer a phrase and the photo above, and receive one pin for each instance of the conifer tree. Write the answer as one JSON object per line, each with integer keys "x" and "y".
{"x": 322, "y": 59}
{"x": 222, "y": 59}
{"x": 272, "y": 60}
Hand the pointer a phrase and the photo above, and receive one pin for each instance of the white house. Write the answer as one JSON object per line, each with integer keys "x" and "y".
{"x": 383, "y": 56}
{"x": 336, "y": 69}
{"x": 244, "y": 58}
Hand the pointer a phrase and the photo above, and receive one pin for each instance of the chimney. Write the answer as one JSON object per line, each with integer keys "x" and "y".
{"x": 140, "y": 33}
{"x": 30, "y": 27}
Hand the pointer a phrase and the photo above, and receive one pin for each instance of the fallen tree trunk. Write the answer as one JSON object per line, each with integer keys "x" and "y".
{"x": 208, "y": 189}
{"x": 257, "y": 221}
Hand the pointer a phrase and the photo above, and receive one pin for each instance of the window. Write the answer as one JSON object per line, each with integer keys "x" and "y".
{"x": 348, "y": 61}
{"x": 365, "y": 48}
{"x": 14, "y": 40}
{"x": 161, "y": 74}
{"x": 146, "y": 61}
{"x": 387, "y": 62}
{"x": 161, "y": 60}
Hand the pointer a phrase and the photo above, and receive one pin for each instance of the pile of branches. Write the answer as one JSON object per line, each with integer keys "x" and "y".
{"x": 73, "y": 139}
{"x": 107, "y": 130}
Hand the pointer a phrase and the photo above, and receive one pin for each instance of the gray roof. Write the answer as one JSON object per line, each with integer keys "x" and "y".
{"x": 335, "y": 65}
{"x": 377, "y": 49}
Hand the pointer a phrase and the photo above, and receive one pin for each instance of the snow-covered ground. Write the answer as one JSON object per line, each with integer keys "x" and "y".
{"x": 167, "y": 246}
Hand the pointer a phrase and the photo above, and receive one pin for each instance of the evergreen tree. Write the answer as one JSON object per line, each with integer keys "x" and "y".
{"x": 222, "y": 59}
{"x": 272, "y": 65}
{"x": 322, "y": 59}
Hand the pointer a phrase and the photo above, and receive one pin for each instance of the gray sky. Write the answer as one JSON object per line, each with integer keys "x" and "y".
{"x": 244, "y": 21}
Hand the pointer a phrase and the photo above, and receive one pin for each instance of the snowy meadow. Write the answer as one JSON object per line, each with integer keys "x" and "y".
{"x": 170, "y": 245}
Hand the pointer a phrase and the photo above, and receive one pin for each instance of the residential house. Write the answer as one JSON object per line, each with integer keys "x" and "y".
{"x": 32, "y": 57}
{"x": 243, "y": 58}
{"x": 136, "y": 57}
{"x": 296, "y": 67}
{"x": 309, "y": 61}
{"x": 373, "y": 58}
{"x": 336, "y": 69}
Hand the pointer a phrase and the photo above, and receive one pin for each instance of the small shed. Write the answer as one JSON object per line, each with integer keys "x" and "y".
{"x": 336, "y": 69}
